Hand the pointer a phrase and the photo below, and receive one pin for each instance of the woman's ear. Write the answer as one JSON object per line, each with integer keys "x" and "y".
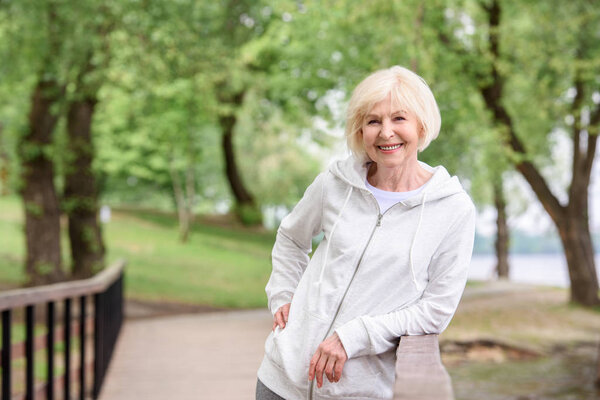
{"x": 421, "y": 130}
{"x": 421, "y": 134}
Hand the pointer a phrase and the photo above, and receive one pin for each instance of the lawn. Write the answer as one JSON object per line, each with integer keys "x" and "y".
{"x": 220, "y": 266}
{"x": 562, "y": 337}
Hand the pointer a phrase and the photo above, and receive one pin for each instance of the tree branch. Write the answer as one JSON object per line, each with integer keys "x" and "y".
{"x": 492, "y": 93}
{"x": 591, "y": 152}
{"x": 592, "y": 141}
{"x": 576, "y": 171}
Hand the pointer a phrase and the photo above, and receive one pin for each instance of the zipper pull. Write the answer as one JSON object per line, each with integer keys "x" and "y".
{"x": 379, "y": 219}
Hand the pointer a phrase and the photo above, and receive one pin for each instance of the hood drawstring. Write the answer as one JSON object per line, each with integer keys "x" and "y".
{"x": 330, "y": 238}
{"x": 412, "y": 269}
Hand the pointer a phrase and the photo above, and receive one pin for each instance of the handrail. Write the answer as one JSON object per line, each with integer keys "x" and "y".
{"x": 106, "y": 292}
{"x": 60, "y": 291}
{"x": 420, "y": 374}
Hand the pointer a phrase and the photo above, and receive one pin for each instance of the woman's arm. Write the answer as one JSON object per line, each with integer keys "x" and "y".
{"x": 293, "y": 244}
{"x": 433, "y": 311}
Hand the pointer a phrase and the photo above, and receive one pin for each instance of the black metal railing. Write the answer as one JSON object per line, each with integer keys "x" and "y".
{"x": 107, "y": 324}
{"x": 98, "y": 329}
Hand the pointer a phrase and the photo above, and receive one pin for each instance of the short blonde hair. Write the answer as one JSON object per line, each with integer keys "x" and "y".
{"x": 408, "y": 91}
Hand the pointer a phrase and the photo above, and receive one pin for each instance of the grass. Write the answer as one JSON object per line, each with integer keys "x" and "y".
{"x": 539, "y": 318}
{"x": 561, "y": 377}
{"x": 535, "y": 318}
{"x": 220, "y": 266}
{"x": 13, "y": 242}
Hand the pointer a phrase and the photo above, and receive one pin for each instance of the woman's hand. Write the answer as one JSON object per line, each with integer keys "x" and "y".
{"x": 330, "y": 358}
{"x": 281, "y": 316}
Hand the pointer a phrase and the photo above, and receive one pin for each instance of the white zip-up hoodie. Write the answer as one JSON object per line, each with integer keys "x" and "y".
{"x": 373, "y": 278}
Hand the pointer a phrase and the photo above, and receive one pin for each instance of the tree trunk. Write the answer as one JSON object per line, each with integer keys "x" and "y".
{"x": 246, "y": 208}
{"x": 502, "y": 233}
{"x": 241, "y": 194}
{"x": 579, "y": 253}
{"x": 180, "y": 201}
{"x": 81, "y": 204}
{"x": 42, "y": 214}
{"x": 571, "y": 220}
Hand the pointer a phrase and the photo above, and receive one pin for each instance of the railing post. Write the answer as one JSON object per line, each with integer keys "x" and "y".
{"x": 50, "y": 352}
{"x": 67, "y": 344}
{"x": 99, "y": 337}
{"x": 107, "y": 325}
{"x": 82, "y": 324}
{"x": 29, "y": 353}
{"x": 6, "y": 356}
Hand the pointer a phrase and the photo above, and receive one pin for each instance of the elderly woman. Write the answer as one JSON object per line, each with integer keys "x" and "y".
{"x": 398, "y": 237}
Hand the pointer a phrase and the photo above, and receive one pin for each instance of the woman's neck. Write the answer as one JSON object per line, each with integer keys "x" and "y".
{"x": 399, "y": 179}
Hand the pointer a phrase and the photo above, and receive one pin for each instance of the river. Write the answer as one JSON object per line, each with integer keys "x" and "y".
{"x": 541, "y": 269}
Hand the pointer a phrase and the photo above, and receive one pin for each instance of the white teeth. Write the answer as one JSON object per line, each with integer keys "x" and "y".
{"x": 390, "y": 147}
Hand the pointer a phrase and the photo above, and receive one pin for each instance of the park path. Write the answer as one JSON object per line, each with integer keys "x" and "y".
{"x": 208, "y": 356}
{"x": 192, "y": 356}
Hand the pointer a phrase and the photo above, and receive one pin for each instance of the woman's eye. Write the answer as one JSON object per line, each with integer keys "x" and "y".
{"x": 399, "y": 118}
{"x": 372, "y": 122}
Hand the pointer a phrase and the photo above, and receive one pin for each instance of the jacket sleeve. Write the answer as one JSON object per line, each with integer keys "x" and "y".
{"x": 293, "y": 245}
{"x": 367, "y": 335}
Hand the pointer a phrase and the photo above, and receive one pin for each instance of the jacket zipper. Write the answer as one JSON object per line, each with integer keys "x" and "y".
{"x": 379, "y": 216}
{"x": 378, "y": 224}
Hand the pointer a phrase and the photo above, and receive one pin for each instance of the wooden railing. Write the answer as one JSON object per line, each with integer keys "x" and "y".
{"x": 420, "y": 374}
{"x": 103, "y": 325}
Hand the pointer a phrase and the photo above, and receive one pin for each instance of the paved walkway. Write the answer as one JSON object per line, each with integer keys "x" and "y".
{"x": 204, "y": 355}
{"x": 192, "y": 356}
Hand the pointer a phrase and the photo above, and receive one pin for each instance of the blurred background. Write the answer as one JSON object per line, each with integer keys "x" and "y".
{"x": 178, "y": 134}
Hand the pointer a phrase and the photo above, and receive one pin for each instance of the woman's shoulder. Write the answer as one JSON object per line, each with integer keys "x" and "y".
{"x": 456, "y": 199}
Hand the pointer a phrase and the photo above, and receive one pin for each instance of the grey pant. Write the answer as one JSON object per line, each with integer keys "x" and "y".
{"x": 264, "y": 393}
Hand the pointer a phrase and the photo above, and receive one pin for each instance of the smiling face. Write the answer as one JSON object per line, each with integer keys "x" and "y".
{"x": 390, "y": 135}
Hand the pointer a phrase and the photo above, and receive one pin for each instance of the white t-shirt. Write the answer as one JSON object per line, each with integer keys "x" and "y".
{"x": 387, "y": 199}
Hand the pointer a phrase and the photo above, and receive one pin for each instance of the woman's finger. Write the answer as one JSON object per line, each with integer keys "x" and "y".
{"x": 329, "y": 372}
{"x": 319, "y": 369}
{"x": 313, "y": 364}
{"x": 275, "y": 320}
{"x": 339, "y": 366}
{"x": 279, "y": 319}
{"x": 286, "y": 312}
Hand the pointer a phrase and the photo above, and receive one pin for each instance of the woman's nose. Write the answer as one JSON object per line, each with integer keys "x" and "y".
{"x": 386, "y": 129}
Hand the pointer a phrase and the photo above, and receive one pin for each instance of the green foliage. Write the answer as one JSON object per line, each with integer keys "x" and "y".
{"x": 249, "y": 215}
{"x": 74, "y": 204}
{"x": 166, "y": 71}
{"x": 275, "y": 156}
{"x": 43, "y": 269}
{"x": 34, "y": 209}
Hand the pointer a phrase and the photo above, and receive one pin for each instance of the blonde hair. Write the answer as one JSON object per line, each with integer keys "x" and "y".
{"x": 408, "y": 91}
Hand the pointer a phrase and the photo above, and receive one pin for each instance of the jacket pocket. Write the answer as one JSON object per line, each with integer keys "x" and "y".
{"x": 359, "y": 380}
{"x": 291, "y": 348}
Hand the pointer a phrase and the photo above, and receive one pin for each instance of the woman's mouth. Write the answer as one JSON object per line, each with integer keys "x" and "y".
{"x": 390, "y": 147}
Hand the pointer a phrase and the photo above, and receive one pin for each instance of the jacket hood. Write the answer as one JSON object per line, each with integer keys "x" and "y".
{"x": 353, "y": 171}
